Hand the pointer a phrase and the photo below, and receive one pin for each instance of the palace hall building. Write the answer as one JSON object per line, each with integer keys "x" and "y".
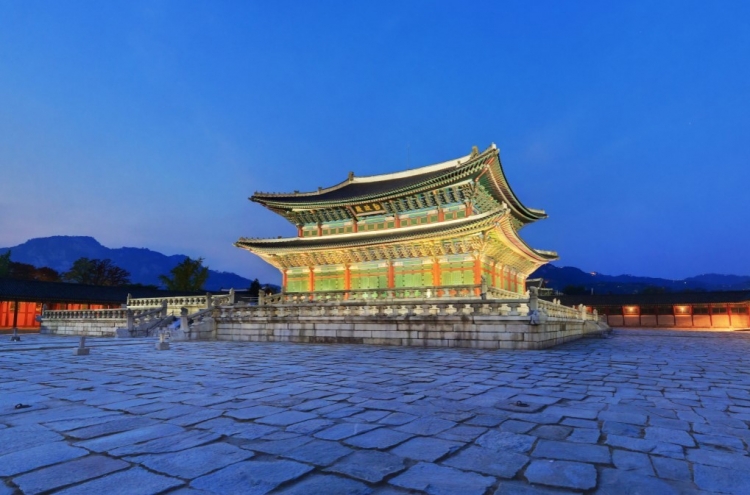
{"x": 437, "y": 228}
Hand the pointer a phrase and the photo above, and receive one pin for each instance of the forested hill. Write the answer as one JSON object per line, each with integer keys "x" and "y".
{"x": 569, "y": 277}
{"x": 144, "y": 265}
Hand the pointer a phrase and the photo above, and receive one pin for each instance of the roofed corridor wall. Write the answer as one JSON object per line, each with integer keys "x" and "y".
{"x": 718, "y": 316}
{"x": 25, "y": 313}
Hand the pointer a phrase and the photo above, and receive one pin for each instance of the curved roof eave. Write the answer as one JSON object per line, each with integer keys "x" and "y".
{"x": 472, "y": 223}
{"x": 502, "y": 186}
{"x": 513, "y": 238}
{"x": 409, "y": 180}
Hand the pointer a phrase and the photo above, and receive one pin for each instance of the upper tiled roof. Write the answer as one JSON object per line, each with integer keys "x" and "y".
{"x": 353, "y": 189}
{"x": 363, "y": 187}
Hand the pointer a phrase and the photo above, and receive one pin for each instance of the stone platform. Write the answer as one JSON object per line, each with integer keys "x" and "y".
{"x": 473, "y": 323}
{"x": 643, "y": 412}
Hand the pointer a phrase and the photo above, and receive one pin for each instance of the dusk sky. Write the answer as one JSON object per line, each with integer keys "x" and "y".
{"x": 149, "y": 124}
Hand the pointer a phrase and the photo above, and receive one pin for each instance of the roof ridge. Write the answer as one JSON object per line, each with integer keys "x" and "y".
{"x": 352, "y": 179}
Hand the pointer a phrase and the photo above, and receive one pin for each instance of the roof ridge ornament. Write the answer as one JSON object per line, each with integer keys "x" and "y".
{"x": 474, "y": 151}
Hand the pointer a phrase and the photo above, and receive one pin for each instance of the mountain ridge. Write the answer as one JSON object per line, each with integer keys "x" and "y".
{"x": 560, "y": 277}
{"x": 145, "y": 265}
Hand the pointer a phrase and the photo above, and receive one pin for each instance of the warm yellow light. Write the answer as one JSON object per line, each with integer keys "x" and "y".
{"x": 630, "y": 309}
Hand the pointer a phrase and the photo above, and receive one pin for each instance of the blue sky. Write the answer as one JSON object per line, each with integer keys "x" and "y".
{"x": 149, "y": 124}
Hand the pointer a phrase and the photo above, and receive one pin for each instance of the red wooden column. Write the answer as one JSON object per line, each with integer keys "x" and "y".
{"x": 15, "y": 314}
{"x": 729, "y": 314}
{"x": 320, "y": 229}
{"x": 435, "y": 273}
{"x": 299, "y": 231}
{"x": 507, "y": 284}
{"x": 477, "y": 273}
{"x": 355, "y": 225}
{"x": 468, "y": 208}
{"x": 441, "y": 214}
{"x": 494, "y": 273}
{"x": 692, "y": 316}
{"x": 311, "y": 280}
{"x": 283, "y": 279}
{"x": 347, "y": 280}
{"x": 396, "y": 220}
{"x": 391, "y": 276}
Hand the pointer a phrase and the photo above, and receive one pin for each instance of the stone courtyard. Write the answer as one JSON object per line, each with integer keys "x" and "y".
{"x": 643, "y": 412}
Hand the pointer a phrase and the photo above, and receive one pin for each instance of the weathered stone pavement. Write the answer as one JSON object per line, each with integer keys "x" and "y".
{"x": 656, "y": 412}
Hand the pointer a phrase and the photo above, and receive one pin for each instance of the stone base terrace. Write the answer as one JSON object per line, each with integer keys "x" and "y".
{"x": 657, "y": 412}
{"x": 461, "y": 316}
{"x": 475, "y": 323}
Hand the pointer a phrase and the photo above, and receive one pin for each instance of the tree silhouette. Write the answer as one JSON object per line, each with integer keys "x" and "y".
{"x": 574, "y": 290}
{"x": 5, "y": 264}
{"x": 254, "y": 289}
{"x": 190, "y": 275}
{"x": 96, "y": 272}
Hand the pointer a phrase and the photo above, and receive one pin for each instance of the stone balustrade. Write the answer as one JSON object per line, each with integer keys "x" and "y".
{"x": 360, "y": 308}
{"x": 85, "y": 314}
{"x": 408, "y": 293}
{"x": 395, "y": 317}
{"x": 203, "y": 301}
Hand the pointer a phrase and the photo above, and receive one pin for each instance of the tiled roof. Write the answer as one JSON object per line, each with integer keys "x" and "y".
{"x": 351, "y": 190}
{"x": 32, "y": 290}
{"x": 369, "y": 237}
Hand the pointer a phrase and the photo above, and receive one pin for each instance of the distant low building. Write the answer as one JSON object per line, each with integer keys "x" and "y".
{"x": 21, "y": 301}
{"x": 727, "y": 310}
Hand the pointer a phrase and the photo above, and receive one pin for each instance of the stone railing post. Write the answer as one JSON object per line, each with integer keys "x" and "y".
{"x": 231, "y": 295}
{"x": 582, "y": 310}
{"x": 533, "y": 299}
{"x": 130, "y": 319}
{"x": 261, "y": 297}
{"x": 209, "y": 298}
{"x": 184, "y": 322}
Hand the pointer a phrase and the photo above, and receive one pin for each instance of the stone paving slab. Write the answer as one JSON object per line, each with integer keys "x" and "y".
{"x": 643, "y": 412}
{"x": 68, "y": 473}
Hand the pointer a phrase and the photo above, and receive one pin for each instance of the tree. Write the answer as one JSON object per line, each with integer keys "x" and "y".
{"x": 190, "y": 275}
{"x": 47, "y": 274}
{"x": 97, "y": 272}
{"x": 5, "y": 264}
{"x": 652, "y": 289}
{"x": 574, "y": 290}
{"x": 22, "y": 271}
{"x": 270, "y": 289}
{"x": 254, "y": 289}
